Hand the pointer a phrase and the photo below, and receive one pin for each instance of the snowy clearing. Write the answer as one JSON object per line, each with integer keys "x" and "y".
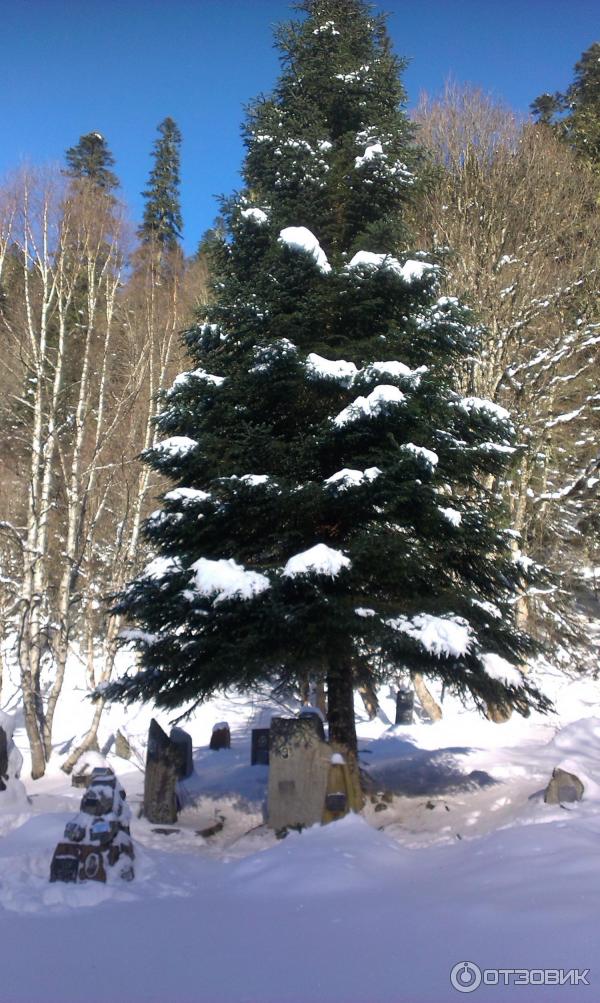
{"x": 465, "y": 863}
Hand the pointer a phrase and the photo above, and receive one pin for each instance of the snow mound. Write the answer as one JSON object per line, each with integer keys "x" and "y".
{"x": 448, "y": 637}
{"x": 409, "y": 272}
{"x": 321, "y": 861}
{"x": 183, "y": 379}
{"x": 161, "y": 567}
{"x": 475, "y": 404}
{"x": 347, "y": 478}
{"x": 372, "y": 152}
{"x": 499, "y": 668}
{"x": 369, "y": 406}
{"x": 254, "y": 480}
{"x": 255, "y": 216}
{"x": 320, "y": 559}
{"x": 577, "y": 748}
{"x": 347, "y": 373}
{"x": 451, "y": 515}
{"x": 187, "y": 495}
{"x": 299, "y": 238}
{"x": 397, "y": 370}
{"x": 225, "y": 579}
{"x": 336, "y": 369}
{"x": 176, "y": 445}
{"x": 427, "y": 455}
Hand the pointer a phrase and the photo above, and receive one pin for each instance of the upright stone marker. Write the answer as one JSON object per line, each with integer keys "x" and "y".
{"x": 183, "y": 741}
{"x": 3, "y": 759}
{"x": 221, "y": 737}
{"x": 259, "y": 755}
{"x": 315, "y": 714}
{"x": 298, "y": 771}
{"x": 405, "y": 701}
{"x": 162, "y": 764}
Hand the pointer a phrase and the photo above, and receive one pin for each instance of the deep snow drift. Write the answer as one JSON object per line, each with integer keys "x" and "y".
{"x": 465, "y": 863}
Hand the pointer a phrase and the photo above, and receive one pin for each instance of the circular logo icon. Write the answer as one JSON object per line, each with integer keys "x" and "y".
{"x": 465, "y": 976}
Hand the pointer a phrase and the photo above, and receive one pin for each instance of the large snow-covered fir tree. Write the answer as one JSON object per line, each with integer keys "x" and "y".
{"x": 330, "y": 512}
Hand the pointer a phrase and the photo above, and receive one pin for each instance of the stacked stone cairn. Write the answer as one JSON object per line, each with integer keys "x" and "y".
{"x": 97, "y": 844}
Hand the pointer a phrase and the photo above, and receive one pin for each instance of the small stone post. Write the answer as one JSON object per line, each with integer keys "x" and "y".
{"x": 163, "y": 761}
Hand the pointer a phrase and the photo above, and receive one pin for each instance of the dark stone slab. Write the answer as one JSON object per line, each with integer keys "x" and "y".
{"x": 304, "y": 731}
{"x": 221, "y": 737}
{"x": 405, "y": 702}
{"x": 163, "y": 760}
{"x": 3, "y": 754}
{"x": 259, "y": 755}
{"x": 316, "y": 716}
{"x": 183, "y": 742}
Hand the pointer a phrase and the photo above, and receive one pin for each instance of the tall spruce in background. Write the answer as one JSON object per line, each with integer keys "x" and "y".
{"x": 92, "y": 160}
{"x": 575, "y": 115}
{"x": 328, "y": 514}
{"x": 162, "y": 222}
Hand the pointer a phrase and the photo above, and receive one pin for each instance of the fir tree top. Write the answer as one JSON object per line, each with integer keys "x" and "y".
{"x": 575, "y": 114}
{"x": 339, "y": 100}
{"x": 162, "y": 220}
{"x": 91, "y": 159}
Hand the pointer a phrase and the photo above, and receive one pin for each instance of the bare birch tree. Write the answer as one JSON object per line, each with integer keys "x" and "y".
{"x": 156, "y": 304}
{"x": 67, "y": 243}
{"x": 518, "y": 224}
{"x": 85, "y": 357}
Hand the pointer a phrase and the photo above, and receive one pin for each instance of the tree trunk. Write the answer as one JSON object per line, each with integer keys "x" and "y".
{"x": 340, "y": 703}
{"x": 369, "y": 698}
{"x": 342, "y": 724}
{"x": 429, "y": 705}
{"x": 305, "y": 689}
{"x": 319, "y": 699}
{"x": 32, "y": 727}
{"x": 498, "y": 713}
{"x": 90, "y": 740}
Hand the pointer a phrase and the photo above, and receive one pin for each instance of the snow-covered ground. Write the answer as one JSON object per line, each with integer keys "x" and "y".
{"x": 464, "y": 863}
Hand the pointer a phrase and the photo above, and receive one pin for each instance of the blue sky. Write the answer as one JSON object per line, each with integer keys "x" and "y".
{"x": 120, "y": 66}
